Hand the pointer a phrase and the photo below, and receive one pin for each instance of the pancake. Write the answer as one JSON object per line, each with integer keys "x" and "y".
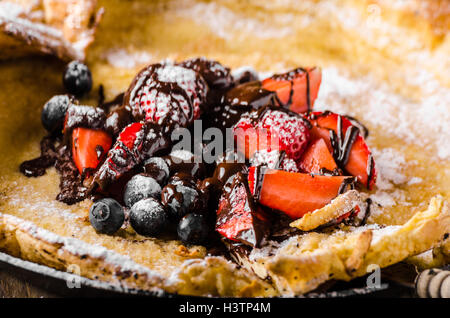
{"x": 383, "y": 63}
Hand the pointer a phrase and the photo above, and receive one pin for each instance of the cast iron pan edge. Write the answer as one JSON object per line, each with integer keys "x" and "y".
{"x": 56, "y": 282}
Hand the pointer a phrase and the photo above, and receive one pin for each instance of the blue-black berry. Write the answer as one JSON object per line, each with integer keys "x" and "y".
{"x": 148, "y": 217}
{"x": 140, "y": 187}
{"x": 106, "y": 216}
{"x": 54, "y": 112}
{"x": 193, "y": 229}
{"x": 77, "y": 78}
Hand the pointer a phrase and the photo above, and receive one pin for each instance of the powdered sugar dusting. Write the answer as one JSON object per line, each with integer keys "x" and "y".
{"x": 80, "y": 248}
{"x": 227, "y": 24}
{"x": 391, "y": 166}
{"x": 423, "y": 122}
{"x": 121, "y": 58}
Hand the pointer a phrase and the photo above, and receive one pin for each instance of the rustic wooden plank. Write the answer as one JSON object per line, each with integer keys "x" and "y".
{"x": 13, "y": 286}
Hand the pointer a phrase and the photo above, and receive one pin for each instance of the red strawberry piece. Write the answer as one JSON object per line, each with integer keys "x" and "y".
{"x": 136, "y": 143}
{"x": 349, "y": 148}
{"x": 89, "y": 148}
{"x": 317, "y": 133}
{"x": 272, "y": 130}
{"x": 238, "y": 218}
{"x": 274, "y": 159}
{"x": 329, "y": 120}
{"x": 349, "y": 214}
{"x": 296, "y": 89}
{"x": 295, "y": 194}
{"x": 167, "y": 94}
{"x": 317, "y": 158}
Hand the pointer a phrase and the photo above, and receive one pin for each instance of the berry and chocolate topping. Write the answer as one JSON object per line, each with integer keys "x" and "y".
{"x": 284, "y": 159}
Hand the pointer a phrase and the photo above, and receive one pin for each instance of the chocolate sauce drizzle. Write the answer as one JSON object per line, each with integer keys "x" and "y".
{"x": 370, "y": 170}
{"x": 361, "y": 126}
{"x": 71, "y": 182}
{"x": 347, "y": 184}
{"x": 37, "y": 167}
{"x": 367, "y": 212}
{"x": 342, "y": 145}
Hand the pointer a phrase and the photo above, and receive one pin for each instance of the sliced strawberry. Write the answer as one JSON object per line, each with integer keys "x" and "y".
{"x": 349, "y": 214}
{"x": 321, "y": 133}
{"x": 349, "y": 148}
{"x": 295, "y": 194}
{"x": 238, "y": 218}
{"x": 361, "y": 164}
{"x": 89, "y": 147}
{"x": 272, "y": 130}
{"x": 136, "y": 143}
{"x": 329, "y": 120}
{"x": 296, "y": 89}
{"x": 316, "y": 158}
{"x": 129, "y": 135}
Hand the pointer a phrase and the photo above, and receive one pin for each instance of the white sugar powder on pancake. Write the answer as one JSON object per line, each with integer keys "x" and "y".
{"x": 121, "y": 58}
{"x": 390, "y": 166}
{"x": 423, "y": 122}
{"x": 225, "y": 23}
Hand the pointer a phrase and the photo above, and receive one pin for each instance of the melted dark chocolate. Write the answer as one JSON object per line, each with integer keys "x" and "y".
{"x": 370, "y": 170}
{"x": 71, "y": 182}
{"x": 342, "y": 144}
{"x": 195, "y": 169}
{"x": 367, "y": 212}
{"x": 215, "y": 74}
{"x": 37, "y": 167}
{"x": 231, "y": 207}
{"x": 250, "y": 95}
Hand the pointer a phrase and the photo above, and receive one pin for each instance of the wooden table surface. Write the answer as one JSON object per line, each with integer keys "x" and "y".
{"x": 12, "y": 285}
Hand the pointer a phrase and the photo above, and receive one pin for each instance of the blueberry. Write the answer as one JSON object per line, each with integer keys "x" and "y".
{"x": 157, "y": 168}
{"x": 54, "y": 112}
{"x": 178, "y": 200}
{"x": 193, "y": 229}
{"x": 77, "y": 78}
{"x": 140, "y": 187}
{"x": 106, "y": 216}
{"x": 148, "y": 217}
